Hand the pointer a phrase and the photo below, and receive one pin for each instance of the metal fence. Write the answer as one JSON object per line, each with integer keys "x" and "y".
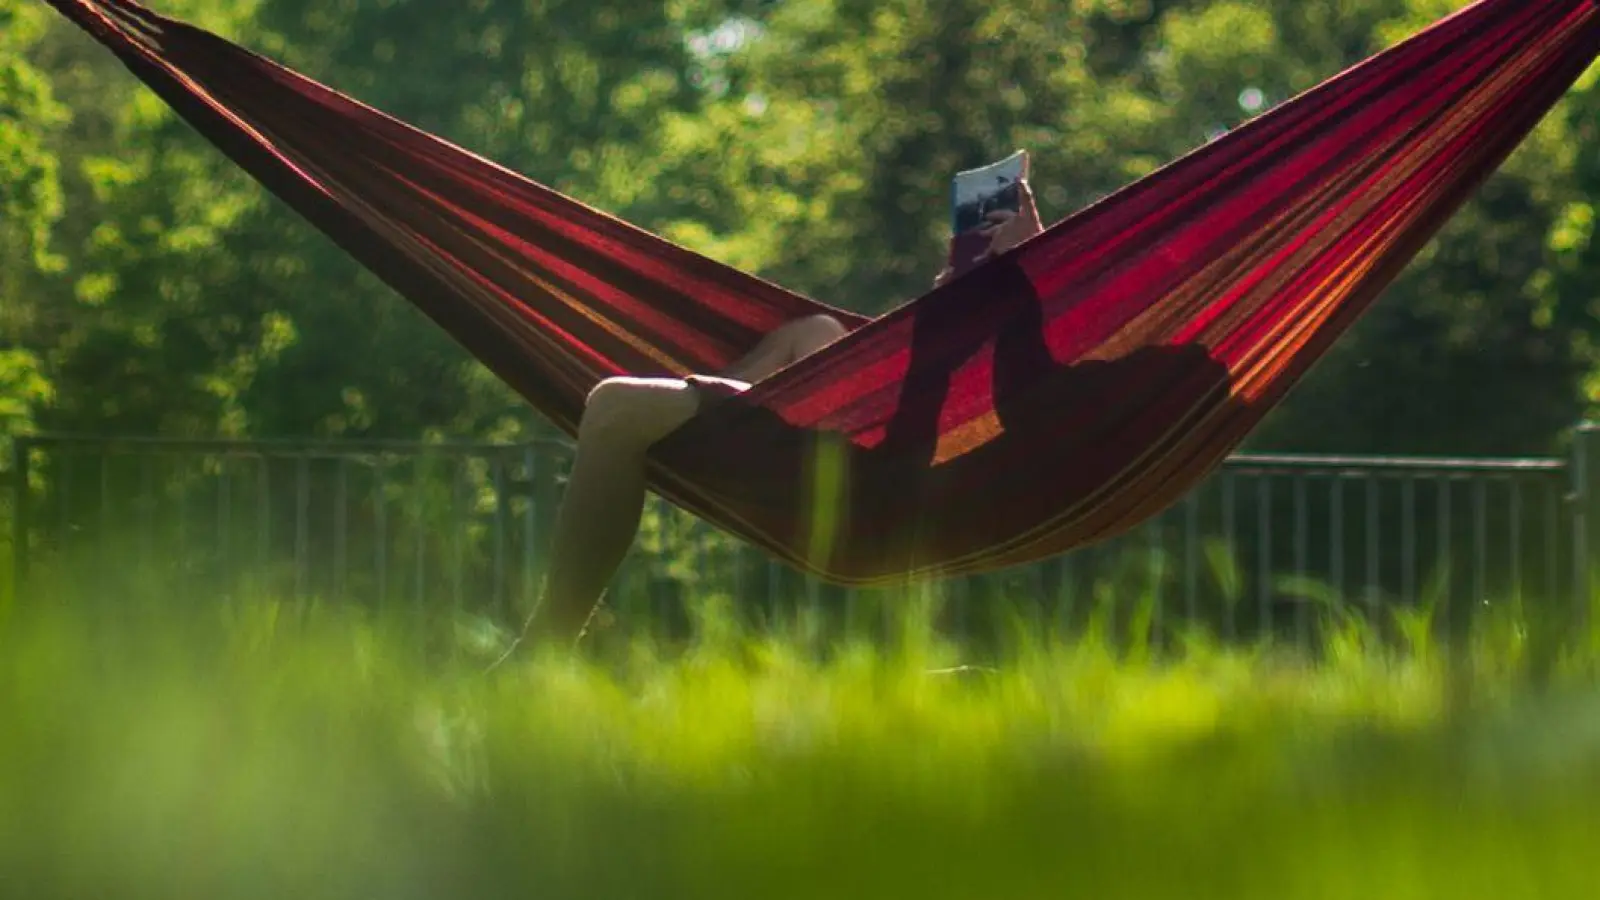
{"x": 1265, "y": 545}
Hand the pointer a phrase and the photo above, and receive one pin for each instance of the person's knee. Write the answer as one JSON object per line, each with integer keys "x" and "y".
{"x": 824, "y": 325}
{"x": 610, "y": 392}
{"x": 614, "y": 402}
{"x": 815, "y": 332}
{"x": 635, "y": 410}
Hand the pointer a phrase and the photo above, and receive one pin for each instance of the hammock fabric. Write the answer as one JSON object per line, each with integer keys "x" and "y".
{"x": 1056, "y": 396}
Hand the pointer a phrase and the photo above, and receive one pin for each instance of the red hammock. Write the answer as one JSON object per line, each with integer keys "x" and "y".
{"x": 1056, "y": 396}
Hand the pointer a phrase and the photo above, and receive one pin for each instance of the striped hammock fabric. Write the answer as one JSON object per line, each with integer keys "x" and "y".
{"x": 1053, "y": 397}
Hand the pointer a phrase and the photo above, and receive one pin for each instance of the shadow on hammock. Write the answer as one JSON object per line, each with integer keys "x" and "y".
{"x": 992, "y": 440}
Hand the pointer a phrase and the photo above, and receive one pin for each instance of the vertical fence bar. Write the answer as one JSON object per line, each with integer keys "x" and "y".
{"x": 530, "y": 528}
{"x": 419, "y": 544}
{"x": 1264, "y": 550}
{"x": 1480, "y": 546}
{"x": 1229, "y": 513}
{"x": 105, "y": 519}
{"x": 460, "y": 518}
{"x": 380, "y": 524}
{"x": 1042, "y": 602}
{"x": 224, "y": 514}
{"x": 1373, "y": 591}
{"x": 1585, "y": 519}
{"x": 720, "y": 548}
{"x": 1159, "y": 566}
{"x": 182, "y": 483}
{"x": 65, "y": 469}
{"x": 1552, "y": 533}
{"x": 1157, "y": 561}
{"x": 1191, "y": 556}
{"x": 775, "y": 600}
{"x": 22, "y": 527}
{"x": 1516, "y": 539}
{"x": 1446, "y": 561}
{"x": 702, "y": 571}
{"x": 147, "y": 504}
{"x": 1302, "y": 553}
{"x": 341, "y": 527}
{"x": 302, "y": 526}
{"x": 736, "y": 553}
{"x": 1336, "y": 534}
{"x": 1066, "y": 598}
{"x": 1408, "y": 540}
{"x": 500, "y": 599}
{"x": 264, "y": 501}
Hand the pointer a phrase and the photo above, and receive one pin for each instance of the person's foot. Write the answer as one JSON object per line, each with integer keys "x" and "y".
{"x": 539, "y": 633}
{"x": 501, "y": 660}
{"x": 965, "y": 672}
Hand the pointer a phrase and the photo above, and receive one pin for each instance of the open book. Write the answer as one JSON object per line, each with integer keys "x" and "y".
{"x": 974, "y": 194}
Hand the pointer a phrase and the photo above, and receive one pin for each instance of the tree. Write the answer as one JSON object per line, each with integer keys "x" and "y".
{"x": 30, "y": 205}
{"x": 1563, "y": 292}
{"x": 136, "y": 329}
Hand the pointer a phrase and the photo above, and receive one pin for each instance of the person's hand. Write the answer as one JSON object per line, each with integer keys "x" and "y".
{"x": 1007, "y": 229}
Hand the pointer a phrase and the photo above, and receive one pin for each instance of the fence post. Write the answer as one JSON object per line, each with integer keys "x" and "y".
{"x": 1585, "y": 518}
{"x": 21, "y": 523}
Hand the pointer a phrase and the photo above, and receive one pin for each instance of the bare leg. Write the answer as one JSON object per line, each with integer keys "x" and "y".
{"x": 605, "y": 494}
{"x": 794, "y": 340}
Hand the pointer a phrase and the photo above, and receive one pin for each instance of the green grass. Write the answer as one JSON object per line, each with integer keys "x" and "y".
{"x": 179, "y": 750}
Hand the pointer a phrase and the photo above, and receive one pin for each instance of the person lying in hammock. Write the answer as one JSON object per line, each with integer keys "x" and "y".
{"x": 623, "y": 416}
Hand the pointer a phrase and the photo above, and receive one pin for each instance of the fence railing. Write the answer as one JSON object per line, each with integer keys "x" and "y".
{"x": 1264, "y": 546}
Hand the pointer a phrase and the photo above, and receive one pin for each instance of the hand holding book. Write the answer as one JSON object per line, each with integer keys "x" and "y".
{"x": 1007, "y": 228}
{"x": 993, "y": 211}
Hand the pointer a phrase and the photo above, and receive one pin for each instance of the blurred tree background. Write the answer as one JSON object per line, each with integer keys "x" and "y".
{"x": 147, "y": 287}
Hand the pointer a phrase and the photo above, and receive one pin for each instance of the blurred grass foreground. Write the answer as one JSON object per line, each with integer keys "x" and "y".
{"x": 190, "y": 750}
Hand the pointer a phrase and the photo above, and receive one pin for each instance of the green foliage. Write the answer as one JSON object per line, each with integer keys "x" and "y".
{"x": 23, "y": 389}
{"x": 30, "y": 204}
{"x": 30, "y": 193}
{"x": 254, "y": 749}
